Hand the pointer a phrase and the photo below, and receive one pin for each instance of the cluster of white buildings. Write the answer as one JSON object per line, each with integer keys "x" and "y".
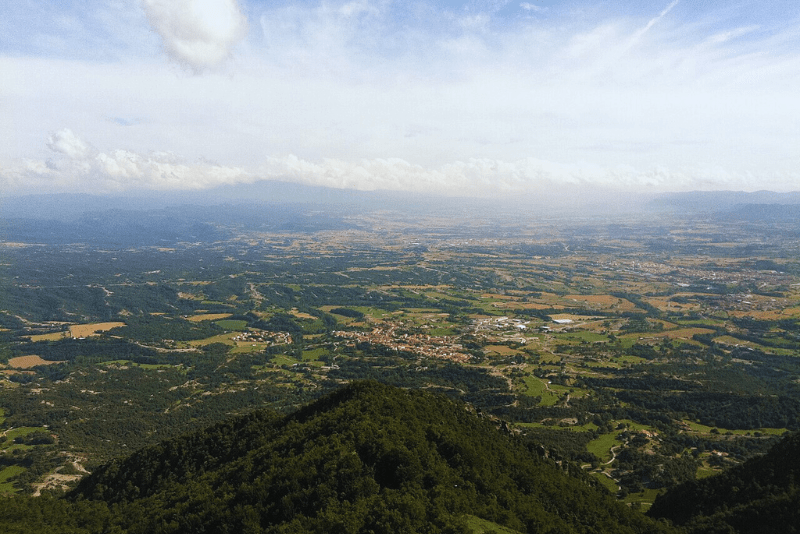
{"x": 263, "y": 336}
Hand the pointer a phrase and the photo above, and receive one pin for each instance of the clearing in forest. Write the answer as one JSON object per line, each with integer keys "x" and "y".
{"x": 54, "y": 336}
{"x": 86, "y": 330}
{"x": 208, "y": 317}
{"x": 26, "y": 362}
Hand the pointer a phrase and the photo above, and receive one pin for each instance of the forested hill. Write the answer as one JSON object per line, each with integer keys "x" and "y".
{"x": 366, "y": 458}
{"x": 761, "y": 495}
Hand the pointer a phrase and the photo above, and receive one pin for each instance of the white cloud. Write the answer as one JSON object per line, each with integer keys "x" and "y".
{"x": 370, "y": 94}
{"x": 527, "y": 6}
{"x": 197, "y": 33}
{"x": 495, "y": 178}
{"x": 67, "y": 143}
{"x": 735, "y": 33}
{"x": 79, "y": 167}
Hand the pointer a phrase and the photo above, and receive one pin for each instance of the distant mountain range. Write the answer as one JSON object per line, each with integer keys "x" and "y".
{"x": 721, "y": 201}
{"x": 148, "y": 218}
{"x": 65, "y": 206}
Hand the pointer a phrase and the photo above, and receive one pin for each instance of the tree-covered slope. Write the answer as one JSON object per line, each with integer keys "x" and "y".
{"x": 366, "y": 458}
{"x": 761, "y": 496}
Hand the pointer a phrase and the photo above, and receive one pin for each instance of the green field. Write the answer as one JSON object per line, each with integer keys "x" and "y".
{"x": 601, "y": 447}
{"x": 697, "y": 427}
{"x": 247, "y": 347}
{"x": 5, "y": 474}
{"x": 644, "y": 499}
{"x": 22, "y": 431}
{"x": 282, "y": 359}
{"x": 232, "y": 324}
{"x": 572, "y": 391}
{"x": 607, "y": 482}
{"x": 704, "y": 472}
{"x": 314, "y": 354}
{"x": 582, "y": 335}
{"x": 441, "y": 332}
{"x": 535, "y": 387}
{"x": 374, "y": 313}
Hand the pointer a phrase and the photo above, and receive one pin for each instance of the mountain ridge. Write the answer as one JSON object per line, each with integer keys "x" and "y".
{"x": 760, "y": 495}
{"x": 365, "y": 458}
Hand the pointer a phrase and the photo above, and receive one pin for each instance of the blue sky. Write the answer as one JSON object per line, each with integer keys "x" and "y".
{"x": 470, "y": 98}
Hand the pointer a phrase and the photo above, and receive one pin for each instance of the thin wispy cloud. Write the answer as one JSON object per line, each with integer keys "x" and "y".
{"x": 639, "y": 34}
{"x": 420, "y": 96}
{"x": 527, "y": 6}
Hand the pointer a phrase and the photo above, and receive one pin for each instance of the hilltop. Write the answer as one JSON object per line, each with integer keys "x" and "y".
{"x": 366, "y": 458}
{"x": 760, "y": 495}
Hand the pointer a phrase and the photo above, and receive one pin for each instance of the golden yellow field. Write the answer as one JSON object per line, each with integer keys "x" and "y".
{"x": 208, "y": 317}
{"x": 496, "y": 296}
{"x": 26, "y": 362}
{"x": 55, "y": 336}
{"x": 502, "y": 350}
{"x": 515, "y": 305}
{"x": 665, "y": 304}
{"x": 86, "y": 330}
{"x": 222, "y": 338}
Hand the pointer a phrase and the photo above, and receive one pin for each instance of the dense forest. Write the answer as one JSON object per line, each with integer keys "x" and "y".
{"x": 760, "y": 495}
{"x": 366, "y": 458}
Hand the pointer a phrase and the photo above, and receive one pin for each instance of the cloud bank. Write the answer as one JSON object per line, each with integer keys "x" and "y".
{"x": 197, "y": 33}
{"x": 77, "y": 166}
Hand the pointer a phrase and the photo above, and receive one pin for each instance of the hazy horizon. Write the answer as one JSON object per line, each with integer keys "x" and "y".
{"x": 482, "y": 99}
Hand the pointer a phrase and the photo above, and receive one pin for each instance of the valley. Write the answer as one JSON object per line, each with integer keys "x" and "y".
{"x": 646, "y": 351}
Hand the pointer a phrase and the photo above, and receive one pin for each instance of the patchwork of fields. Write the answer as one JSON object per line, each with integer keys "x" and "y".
{"x": 642, "y": 366}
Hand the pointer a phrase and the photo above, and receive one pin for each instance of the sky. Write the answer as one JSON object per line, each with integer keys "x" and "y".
{"x": 485, "y": 98}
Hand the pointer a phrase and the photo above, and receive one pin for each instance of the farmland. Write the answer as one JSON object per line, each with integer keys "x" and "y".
{"x": 646, "y": 352}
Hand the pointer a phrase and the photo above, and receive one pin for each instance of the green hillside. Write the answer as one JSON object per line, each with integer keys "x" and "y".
{"x": 366, "y": 458}
{"x": 760, "y": 496}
